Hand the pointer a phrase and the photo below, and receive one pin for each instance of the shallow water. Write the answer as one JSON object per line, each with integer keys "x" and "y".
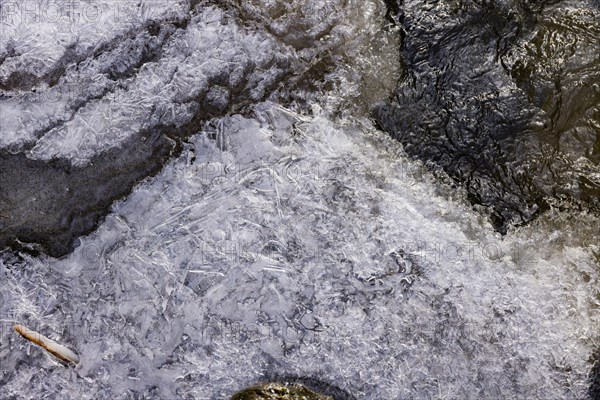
{"x": 285, "y": 236}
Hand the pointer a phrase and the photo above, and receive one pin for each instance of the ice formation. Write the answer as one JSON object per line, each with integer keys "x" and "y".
{"x": 287, "y": 236}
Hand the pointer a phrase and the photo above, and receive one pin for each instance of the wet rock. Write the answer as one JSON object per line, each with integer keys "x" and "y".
{"x": 278, "y": 391}
{"x": 293, "y": 388}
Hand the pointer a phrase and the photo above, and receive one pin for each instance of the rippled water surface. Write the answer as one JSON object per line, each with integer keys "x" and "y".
{"x": 505, "y": 97}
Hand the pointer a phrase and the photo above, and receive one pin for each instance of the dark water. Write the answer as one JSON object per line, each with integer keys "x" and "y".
{"x": 505, "y": 97}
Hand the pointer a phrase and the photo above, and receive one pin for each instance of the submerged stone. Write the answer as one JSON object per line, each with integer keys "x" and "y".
{"x": 279, "y": 391}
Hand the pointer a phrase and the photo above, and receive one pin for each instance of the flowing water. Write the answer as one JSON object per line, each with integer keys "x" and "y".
{"x": 505, "y": 97}
{"x": 197, "y": 197}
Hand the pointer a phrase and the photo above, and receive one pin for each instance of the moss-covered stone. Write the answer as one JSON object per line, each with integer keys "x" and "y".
{"x": 279, "y": 391}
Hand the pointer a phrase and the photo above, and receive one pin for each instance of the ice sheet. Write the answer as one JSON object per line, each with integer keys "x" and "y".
{"x": 296, "y": 244}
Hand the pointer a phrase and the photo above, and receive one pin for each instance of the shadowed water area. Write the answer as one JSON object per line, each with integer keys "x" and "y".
{"x": 505, "y": 97}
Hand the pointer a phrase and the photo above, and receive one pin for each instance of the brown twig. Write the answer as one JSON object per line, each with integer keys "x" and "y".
{"x": 57, "y": 350}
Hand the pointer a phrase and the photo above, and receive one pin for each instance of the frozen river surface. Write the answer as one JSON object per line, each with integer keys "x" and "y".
{"x": 243, "y": 218}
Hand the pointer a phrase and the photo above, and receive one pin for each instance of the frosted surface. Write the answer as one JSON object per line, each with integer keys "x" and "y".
{"x": 307, "y": 246}
{"x": 290, "y": 239}
{"x": 117, "y": 76}
{"x": 40, "y": 46}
